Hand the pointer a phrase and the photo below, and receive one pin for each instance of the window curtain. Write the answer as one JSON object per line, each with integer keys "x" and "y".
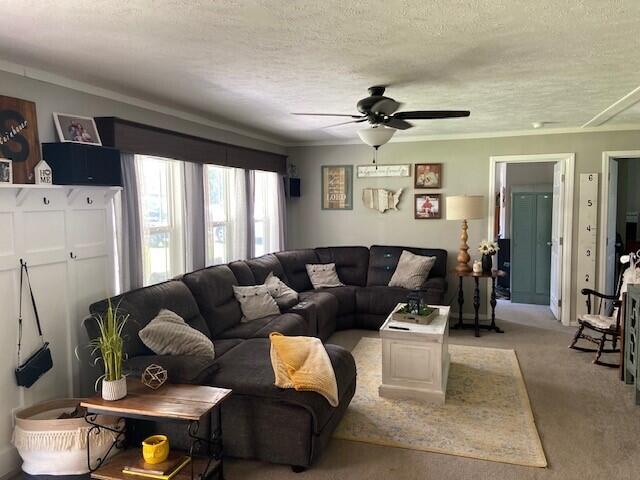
{"x": 128, "y": 228}
{"x": 250, "y": 195}
{"x": 239, "y": 215}
{"x": 194, "y": 216}
{"x": 281, "y": 219}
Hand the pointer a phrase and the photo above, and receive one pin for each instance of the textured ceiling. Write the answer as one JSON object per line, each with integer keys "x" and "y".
{"x": 249, "y": 63}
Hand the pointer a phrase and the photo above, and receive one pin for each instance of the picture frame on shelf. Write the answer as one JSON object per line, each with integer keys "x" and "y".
{"x": 19, "y": 141}
{"x": 427, "y": 206}
{"x": 379, "y": 171}
{"x": 76, "y": 129}
{"x": 337, "y": 187}
{"x": 6, "y": 171}
{"x": 428, "y": 175}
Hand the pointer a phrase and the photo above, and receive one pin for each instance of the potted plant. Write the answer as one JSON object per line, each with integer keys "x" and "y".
{"x": 487, "y": 249}
{"x": 108, "y": 348}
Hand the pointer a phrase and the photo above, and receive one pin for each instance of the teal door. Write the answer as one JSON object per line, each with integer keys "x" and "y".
{"x": 531, "y": 215}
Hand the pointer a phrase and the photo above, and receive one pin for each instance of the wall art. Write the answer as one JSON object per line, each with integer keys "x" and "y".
{"x": 374, "y": 171}
{"x": 428, "y": 175}
{"x": 427, "y": 206}
{"x": 76, "y": 129}
{"x": 19, "y": 140}
{"x": 337, "y": 187}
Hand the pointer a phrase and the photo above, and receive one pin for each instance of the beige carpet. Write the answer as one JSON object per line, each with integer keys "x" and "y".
{"x": 487, "y": 414}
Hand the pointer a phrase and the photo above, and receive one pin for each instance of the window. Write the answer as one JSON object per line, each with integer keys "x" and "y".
{"x": 217, "y": 188}
{"x": 160, "y": 181}
{"x": 265, "y": 213}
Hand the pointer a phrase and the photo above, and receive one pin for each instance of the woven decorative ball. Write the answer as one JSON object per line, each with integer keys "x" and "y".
{"x": 154, "y": 376}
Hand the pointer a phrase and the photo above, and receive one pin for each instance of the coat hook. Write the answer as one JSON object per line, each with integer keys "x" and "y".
{"x": 73, "y": 257}
{"x": 89, "y": 200}
{"x": 45, "y": 200}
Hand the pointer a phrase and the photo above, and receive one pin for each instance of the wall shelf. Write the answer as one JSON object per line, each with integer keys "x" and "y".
{"x": 23, "y": 190}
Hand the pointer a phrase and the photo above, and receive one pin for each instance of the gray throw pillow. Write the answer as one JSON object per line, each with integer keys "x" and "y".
{"x": 255, "y": 302}
{"x": 412, "y": 270}
{"x": 169, "y": 334}
{"x": 323, "y": 275}
{"x": 284, "y": 296}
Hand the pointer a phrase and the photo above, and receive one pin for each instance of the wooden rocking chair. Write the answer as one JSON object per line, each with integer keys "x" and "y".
{"x": 603, "y": 317}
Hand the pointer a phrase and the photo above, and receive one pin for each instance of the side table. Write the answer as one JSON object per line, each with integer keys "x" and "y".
{"x": 186, "y": 404}
{"x": 476, "y": 301}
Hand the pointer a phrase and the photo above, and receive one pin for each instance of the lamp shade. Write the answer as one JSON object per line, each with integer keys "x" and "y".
{"x": 465, "y": 207}
{"x": 376, "y": 136}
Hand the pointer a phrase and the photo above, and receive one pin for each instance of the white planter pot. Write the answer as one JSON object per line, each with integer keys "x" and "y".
{"x": 114, "y": 389}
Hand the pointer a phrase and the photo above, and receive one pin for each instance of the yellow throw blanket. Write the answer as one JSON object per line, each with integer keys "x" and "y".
{"x": 303, "y": 363}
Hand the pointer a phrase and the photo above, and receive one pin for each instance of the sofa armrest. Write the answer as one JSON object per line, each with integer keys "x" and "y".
{"x": 193, "y": 369}
{"x": 309, "y": 312}
{"x": 435, "y": 283}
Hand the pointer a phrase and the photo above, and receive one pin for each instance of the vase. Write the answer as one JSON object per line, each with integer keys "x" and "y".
{"x": 114, "y": 389}
{"x": 487, "y": 263}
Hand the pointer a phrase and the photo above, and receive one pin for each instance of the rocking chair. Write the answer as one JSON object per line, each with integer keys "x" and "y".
{"x": 603, "y": 317}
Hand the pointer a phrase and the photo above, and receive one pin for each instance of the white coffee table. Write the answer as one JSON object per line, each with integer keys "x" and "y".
{"x": 415, "y": 358}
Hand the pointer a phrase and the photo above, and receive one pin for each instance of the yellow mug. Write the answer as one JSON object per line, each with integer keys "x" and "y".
{"x": 155, "y": 449}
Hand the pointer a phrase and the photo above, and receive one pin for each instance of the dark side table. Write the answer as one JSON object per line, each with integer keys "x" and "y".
{"x": 476, "y": 325}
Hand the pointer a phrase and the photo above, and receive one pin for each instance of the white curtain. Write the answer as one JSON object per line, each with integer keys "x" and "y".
{"x": 282, "y": 213}
{"x": 240, "y": 248}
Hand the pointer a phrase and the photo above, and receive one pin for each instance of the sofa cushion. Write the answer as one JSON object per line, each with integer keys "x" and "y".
{"x": 379, "y": 300}
{"x": 326, "y": 311}
{"x": 283, "y": 294}
{"x": 346, "y": 296}
{"x": 243, "y": 273}
{"x": 351, "y": 263}
{"x": 323, "y": 275}
{"x": 383, "y": 261}
{"x": 168, "y": 334}
{"x": 286, "y": 323}
{"x": 412, "y": 270}
{"x": 192, "y": 369}
{"x": 213, "y": 290}
{"x": 262, "y": 266}
{"x": 143, "y": 305}
{"x": 294, "y": 264}
{"x": 255, "y": 302}
{"x": 247, "y": 370}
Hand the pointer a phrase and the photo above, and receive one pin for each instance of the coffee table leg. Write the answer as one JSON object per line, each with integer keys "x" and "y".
{"x": 213, "y": 446}
{"x": 460, "y": 304}
{"x": 476, "y": 305}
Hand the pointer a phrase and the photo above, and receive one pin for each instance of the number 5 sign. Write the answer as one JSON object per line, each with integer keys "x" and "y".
{"x": 587, "y": 235}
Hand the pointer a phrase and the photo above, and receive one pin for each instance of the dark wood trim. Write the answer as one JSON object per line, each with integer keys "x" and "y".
{"x": 134, "y": 137}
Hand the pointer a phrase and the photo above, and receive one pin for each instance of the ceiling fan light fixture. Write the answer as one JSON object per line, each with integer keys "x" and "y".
{"x": 376, "y": 136}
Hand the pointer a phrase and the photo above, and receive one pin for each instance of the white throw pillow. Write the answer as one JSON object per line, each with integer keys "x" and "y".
{"x": 412, "y": 270}
{"x": 284, "y": 296}
{"x": 255, "y": 302}
{"x": 169, "y": 334}
{"x": 323, "y": 275}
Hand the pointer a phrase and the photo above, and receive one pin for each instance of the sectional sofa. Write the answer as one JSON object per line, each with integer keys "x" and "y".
{"x": 261, "y": 421}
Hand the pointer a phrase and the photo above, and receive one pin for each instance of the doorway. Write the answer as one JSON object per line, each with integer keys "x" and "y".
{"x": 536, "y": 231}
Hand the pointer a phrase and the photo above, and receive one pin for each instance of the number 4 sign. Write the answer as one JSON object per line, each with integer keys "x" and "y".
{"x": 587, "y": 234}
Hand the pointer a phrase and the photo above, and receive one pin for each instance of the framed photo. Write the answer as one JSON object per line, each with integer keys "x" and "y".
{"x": 76, "y": 129}
{"x": 6, "y": 170}
{"x": 19, "y": 140}
{"x": 337, "y": 187}
{"x": 428, "y": 175}
{"x": 427, "y": 206}
{"x": 375, "y": 171}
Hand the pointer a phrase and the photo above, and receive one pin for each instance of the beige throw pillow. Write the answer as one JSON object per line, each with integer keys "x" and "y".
{"x": 255, "y": 302}
{"x": 169, "y": 334}
{"x": 323, "y": 275}
{"x": 284, "y": 296}
{"x": 412, "y": 270}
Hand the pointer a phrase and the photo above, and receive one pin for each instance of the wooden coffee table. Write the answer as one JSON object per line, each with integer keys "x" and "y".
{"x": 187, "y": 404}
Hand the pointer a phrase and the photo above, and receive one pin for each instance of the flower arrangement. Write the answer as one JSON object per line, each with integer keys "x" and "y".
{"x": 487, "y": 247}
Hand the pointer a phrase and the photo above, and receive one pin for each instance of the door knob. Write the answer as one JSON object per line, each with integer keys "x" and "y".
{"x": 549, "y": 244}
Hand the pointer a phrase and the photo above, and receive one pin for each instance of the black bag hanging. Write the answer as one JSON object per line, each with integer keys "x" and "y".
{"x": 40, "y": 362}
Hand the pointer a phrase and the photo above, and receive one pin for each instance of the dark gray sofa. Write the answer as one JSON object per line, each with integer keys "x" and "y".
{"x": 260, "y": 420}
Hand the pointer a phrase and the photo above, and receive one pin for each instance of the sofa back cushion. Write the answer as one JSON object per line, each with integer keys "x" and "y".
{"x": 262, "y": 266}
{"x": 351, "y": 263}
{"x": 143, "y": 305}
{"x": 384, "y": 260}
{"x": 213, "y": 290}
{"x": 243, "y": 273}
{"x": 294, "y": 265}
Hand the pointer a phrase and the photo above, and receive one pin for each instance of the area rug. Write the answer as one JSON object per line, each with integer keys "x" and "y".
{"x": 486, "y": 415}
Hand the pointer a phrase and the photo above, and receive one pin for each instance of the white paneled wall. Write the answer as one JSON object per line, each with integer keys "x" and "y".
{"x": 65, "y": 235}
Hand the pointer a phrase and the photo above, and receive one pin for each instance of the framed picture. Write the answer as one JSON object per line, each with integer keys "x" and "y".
{"x": 76, "y": 129}
{"x": 6, "y": 170}
{"x": 19, "y": 140}
{"x": 337, "y": 187}
{"x": 375, "y": 171}
{"x": 428, "y": 175}
{"x": 427, "y": 206}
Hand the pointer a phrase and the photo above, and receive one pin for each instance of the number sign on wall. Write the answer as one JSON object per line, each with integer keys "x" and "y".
{"x": 587, "y": 235}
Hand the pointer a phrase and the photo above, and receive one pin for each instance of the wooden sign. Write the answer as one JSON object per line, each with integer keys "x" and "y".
{"x": 374, "y": 171}
{"x": 19, "y": 137}
{"x": 587, "y": 235}
{"x": 337, "y": 187}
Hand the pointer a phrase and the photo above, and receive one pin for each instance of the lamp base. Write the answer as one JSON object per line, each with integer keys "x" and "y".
{"x": 463, "y": 268}
{"x": 463, "y": 255}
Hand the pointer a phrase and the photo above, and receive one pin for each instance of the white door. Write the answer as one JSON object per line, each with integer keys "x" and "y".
{"x": 557, "y": 226}
{"x": 612, "y": 207}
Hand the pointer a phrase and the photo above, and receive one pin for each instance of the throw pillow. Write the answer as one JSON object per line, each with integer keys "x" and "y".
{"x": 323, "y": 275}
{"x": 412, "y": 270}
{"x": 284, "y": 296}
{"x": 255, "y": 302}
{"x": 169, "y": 334}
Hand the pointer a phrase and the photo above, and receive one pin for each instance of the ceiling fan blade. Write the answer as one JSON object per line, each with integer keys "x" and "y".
{"x": 360, "y": 120}
{"x": 329, "y": 115}
{"x": 397, "y": 123}
{"x": 431, "y": 114}
{"x": 386, "y": 106}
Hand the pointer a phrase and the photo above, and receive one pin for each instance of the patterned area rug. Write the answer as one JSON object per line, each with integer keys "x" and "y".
{"x": 486, "y": 415}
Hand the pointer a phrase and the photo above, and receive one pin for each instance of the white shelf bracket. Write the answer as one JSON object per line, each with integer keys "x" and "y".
{"x": 21, "y": 196}
{"x": 73, "y": 194}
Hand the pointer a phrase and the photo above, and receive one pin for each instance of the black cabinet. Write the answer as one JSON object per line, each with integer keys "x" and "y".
{"x": 79, "y": 164}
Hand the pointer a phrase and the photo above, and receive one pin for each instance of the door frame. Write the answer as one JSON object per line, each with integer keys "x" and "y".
{"x": 607, "y": 158}
{"x": 568, "y": 162}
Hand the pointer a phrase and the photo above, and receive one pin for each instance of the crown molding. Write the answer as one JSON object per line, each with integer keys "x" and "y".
{"x": 61, "y": 81}
{"x": 471, "y": 136}
{"x": 629, "y": 100}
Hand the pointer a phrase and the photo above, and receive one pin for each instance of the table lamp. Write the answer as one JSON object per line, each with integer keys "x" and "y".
{"x": 464, "y": 207}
